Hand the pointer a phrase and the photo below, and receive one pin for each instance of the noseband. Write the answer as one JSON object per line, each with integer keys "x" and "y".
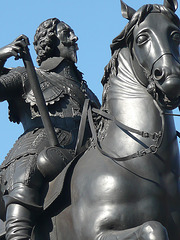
{"x": 153, "y": 88}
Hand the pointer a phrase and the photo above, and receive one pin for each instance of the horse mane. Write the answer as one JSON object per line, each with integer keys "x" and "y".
{"x": 125, "y": 38}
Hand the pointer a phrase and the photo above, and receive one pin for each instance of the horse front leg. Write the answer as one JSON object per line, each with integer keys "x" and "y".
{"x": 148, "y": 231}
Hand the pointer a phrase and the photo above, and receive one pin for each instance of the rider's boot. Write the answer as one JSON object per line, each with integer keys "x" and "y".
{"x": 19, "y": 222}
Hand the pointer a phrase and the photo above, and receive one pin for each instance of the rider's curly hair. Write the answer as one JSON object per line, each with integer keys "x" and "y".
{"x": 44, "y": 39}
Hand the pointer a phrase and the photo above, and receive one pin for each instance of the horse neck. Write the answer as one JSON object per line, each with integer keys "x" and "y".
{"x": 127, "y": 100}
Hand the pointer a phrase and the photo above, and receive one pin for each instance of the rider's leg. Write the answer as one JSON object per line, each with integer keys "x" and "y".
{"x": 22, "y": 197}
{"x": 19, "y": 222}
{"x": 22, "y": 208}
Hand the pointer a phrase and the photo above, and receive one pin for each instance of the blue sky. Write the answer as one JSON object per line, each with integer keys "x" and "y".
{"x": 95, "y": 22}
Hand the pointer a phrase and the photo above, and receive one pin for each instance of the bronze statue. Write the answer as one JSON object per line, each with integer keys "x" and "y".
{"x": 24, "y": 172}
{"x": 126, "y": 185}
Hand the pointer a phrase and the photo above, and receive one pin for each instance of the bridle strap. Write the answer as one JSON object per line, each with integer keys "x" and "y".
{"x": 82, "y": 127}
{"x": 154, "y": 136}
{"x": 87, "y": 112}
{"x": 152, "y": 149}
{"x": 174, "y": 115}
{"x": 94, "y": 135}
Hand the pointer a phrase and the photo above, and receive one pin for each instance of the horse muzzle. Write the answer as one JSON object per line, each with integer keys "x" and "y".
{"x": 166, "y": 75}
{"x": 171, "y": 87}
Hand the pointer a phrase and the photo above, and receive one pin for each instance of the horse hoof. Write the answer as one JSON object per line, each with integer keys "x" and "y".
{"x": 153, "y": 230}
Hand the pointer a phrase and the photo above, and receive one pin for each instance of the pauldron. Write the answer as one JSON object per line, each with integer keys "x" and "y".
{"x": 55, "y": 88}
{"x": 64, "y": 93}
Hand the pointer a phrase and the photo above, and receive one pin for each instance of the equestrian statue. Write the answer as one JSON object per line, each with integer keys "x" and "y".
{"x": 125, "y": 185}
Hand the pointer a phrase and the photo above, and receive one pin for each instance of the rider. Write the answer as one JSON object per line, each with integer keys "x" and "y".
{"x": 64, "y": 91}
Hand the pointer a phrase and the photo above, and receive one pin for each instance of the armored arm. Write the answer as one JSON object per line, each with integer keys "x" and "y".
{"x": 10, "y": 80}
{"x": 13, "y": 49}
{"x": 11, "y": 84}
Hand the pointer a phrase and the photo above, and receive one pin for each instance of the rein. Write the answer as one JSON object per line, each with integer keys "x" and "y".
{"x": 174, "y": 115}
{"x": 156, "y": 137}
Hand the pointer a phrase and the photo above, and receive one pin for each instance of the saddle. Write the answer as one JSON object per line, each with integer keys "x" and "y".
{"x": 60, "y": 184}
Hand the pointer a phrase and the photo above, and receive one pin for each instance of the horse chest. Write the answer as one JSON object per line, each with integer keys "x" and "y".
{"x": 120, "y": 193}
{"x": 125, "y": 185}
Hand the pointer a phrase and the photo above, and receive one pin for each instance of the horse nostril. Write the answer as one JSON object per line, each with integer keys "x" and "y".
{"x": 158, "y": 74}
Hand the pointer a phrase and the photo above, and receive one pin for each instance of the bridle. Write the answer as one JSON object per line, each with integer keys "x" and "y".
{"x": 152, "y": 86}
{"x": 156, "y": 137}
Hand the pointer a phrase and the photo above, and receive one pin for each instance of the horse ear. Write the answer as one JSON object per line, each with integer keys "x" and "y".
{"x": 171, "y": 4}
{"x": 127, "y": 12}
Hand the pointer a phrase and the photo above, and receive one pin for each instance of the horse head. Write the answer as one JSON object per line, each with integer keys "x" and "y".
{"x": 153, "y": 37}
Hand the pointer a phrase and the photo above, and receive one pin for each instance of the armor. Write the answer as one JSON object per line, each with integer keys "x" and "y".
{"x": 64, "y": 94}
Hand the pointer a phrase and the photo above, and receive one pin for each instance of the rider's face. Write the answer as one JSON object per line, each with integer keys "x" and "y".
{"x": 67, "y": 42}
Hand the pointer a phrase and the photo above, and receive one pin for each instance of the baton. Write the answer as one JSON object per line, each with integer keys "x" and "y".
{"x": 40, "y": 101}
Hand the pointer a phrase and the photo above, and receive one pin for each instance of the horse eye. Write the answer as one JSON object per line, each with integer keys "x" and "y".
{"x": 176, "y": 36}
{"x": 142, "y": 39}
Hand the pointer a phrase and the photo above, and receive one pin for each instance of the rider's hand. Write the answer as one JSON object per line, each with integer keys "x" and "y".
{"x": 14, "y": 49}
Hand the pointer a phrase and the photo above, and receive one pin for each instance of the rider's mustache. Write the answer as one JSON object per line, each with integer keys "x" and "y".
{"x": 69, "y": 43}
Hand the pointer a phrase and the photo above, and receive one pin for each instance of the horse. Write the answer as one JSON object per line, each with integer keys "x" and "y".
{"x": 126, "y": 184}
